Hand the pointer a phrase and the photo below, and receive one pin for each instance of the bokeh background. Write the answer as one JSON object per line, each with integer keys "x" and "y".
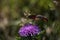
{"x": 13, "y": 15}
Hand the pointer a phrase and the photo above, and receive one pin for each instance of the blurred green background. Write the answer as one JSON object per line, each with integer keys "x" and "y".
{"x": 12, "y": 12}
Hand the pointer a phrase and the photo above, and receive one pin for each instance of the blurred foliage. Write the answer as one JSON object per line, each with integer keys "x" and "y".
{"x": 15, "y": 9}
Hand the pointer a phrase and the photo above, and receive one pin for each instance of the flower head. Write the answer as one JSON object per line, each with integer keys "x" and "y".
{"x": 28, "y": 30}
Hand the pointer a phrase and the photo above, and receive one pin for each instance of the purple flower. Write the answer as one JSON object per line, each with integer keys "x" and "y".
{"x": 29, "y": 30}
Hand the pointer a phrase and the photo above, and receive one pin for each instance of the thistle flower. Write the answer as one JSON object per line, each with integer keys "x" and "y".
{"x": 29, "y": 30}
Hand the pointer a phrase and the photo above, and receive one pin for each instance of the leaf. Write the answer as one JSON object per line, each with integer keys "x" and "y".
{"x": 46, "y": 4}
{"x": 33, "y": 1}
{"x": 51, "y": 5}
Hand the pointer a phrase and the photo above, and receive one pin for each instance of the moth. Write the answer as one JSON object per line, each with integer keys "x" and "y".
{"x": 38, "y": 17}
